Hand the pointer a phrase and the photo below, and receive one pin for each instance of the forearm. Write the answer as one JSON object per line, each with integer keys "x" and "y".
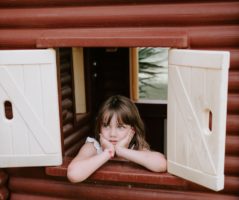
{"x": 79, "y": 170}
{"x": 153, "y": 161}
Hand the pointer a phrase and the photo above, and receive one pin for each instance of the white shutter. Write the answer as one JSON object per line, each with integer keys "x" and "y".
{"x": 28, "y": 80}
{"x": 197, "y": 88}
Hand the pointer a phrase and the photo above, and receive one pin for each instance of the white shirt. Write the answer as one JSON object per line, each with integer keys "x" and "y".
{"x": 95, "y": 143}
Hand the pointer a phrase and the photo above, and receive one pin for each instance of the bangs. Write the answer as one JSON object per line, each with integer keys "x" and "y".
{"x": 121, "y": 116}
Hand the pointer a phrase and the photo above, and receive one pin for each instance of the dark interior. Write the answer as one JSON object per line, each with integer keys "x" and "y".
{"x": 106, "y": 74}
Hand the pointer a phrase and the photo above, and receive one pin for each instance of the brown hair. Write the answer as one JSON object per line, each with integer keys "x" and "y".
{"x": 126, "y": 113}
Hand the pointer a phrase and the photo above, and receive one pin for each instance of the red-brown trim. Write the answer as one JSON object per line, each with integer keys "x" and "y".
{"x": 118, "y": 37}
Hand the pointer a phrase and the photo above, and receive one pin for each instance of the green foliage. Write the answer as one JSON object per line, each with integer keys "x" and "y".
{"x": 153, "y": 65}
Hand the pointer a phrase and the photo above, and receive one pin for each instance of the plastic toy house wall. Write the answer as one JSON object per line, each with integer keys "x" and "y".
{"x": 171, "y": 24}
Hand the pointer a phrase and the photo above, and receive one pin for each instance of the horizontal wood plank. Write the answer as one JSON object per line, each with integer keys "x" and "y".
{"x": 121, "y": 15}
{"x": 47, "y": 188}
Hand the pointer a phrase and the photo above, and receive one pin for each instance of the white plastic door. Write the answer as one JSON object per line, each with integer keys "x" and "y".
{"x": 196, "y": 125}
{"x": 28, "y": 83}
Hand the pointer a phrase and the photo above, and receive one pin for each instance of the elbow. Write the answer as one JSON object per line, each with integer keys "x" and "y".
{"x": 158, "y": 169}
{"x": 160, "y": 166}
{"x": 74, "y": 176}
{"x": 71, "y": 177}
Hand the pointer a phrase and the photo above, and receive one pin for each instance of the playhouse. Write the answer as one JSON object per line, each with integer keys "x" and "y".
{"x": 59, "y": 60}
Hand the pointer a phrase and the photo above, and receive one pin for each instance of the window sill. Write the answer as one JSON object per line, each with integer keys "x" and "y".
{"x": 124, "y": 172}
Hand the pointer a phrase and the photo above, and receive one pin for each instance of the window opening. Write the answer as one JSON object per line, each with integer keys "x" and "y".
{"x": 80, "y": 86}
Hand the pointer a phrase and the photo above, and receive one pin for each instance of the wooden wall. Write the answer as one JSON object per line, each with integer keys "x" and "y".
{"x": 4, "y": 194}
{"x": 206, "y": 24}
{"x": 75, "y": 128}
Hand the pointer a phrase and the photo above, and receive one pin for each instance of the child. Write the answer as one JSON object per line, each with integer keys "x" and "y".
{"x": 120, "y": 132}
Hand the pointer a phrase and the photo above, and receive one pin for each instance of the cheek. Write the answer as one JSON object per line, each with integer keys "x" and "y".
{"x": 105, "y": 133}
{"x": 122, "y": 134}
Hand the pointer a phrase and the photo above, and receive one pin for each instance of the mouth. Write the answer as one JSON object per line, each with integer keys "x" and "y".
{"x": 113, "y": 142}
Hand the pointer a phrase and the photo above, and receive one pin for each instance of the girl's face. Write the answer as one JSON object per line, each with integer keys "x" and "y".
{"x": 115, "y": 131}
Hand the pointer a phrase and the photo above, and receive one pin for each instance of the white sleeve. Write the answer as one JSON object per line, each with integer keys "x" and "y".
{"x": 95, "y": 143}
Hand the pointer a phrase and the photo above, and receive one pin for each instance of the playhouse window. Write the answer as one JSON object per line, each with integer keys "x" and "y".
{"x": 197, "y": 79}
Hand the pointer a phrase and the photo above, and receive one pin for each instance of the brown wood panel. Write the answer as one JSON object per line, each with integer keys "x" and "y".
{"x": 231, "y": 186}
{"x": 124, "y": 172}
{"x": 73, "y": 150}
{"x": 67, "y": 104}
{"x": 232, "y": 124}
{"x": 4, "y": 193}
{"x": 56, "y": 3}
{"x": 66, "y": 78}
{"x": 27, "y": 38}
{"x": 233, "y": 103}
{"x": 3, "y": 178}
{"x": 232, "y": 144}
{"x": 209, "y": 37}
{"x": 205, "y": 25}
{"x": 76, "y": 136}
{"x": 82, "y": 119}
{"x": 121, "y": 15}
{"x": 66, "y": 92}
{"x": 68, "y": 118}
{"x": 104, "y": 192}
{"x": 16, "y": 196}
{"x": 234, "y": 58}
{"x": 123, "y": 38}
{"x": 67, "y": 129}
{"x": 200, "y": 37}
{"x": 232, "y": 165}
{"x": 233, "y": 82}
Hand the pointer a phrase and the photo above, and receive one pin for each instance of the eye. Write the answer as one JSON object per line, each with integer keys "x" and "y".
{"x": 104, "y": 125}
{"x": 121, "y": 126}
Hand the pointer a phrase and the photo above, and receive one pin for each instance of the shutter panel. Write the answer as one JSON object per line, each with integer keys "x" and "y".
{"x": 28, "y": 80}
{"x": 197, "y": 103}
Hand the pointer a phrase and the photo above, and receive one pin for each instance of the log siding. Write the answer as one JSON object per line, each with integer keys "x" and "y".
{"x": 211, "y": 25}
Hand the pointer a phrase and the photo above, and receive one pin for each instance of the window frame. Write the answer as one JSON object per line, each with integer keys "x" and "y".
{"x": 120, "y": 37}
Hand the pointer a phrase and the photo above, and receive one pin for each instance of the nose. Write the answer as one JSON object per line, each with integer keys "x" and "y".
{"x": 112, "y": 132}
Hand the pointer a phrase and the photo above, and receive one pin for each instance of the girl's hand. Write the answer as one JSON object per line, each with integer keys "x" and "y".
{"x": 107, "y": 146}
{"x": 124, "y": 143}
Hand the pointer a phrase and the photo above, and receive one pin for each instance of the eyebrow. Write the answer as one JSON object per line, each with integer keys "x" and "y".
{"x": 107, "y": 122}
